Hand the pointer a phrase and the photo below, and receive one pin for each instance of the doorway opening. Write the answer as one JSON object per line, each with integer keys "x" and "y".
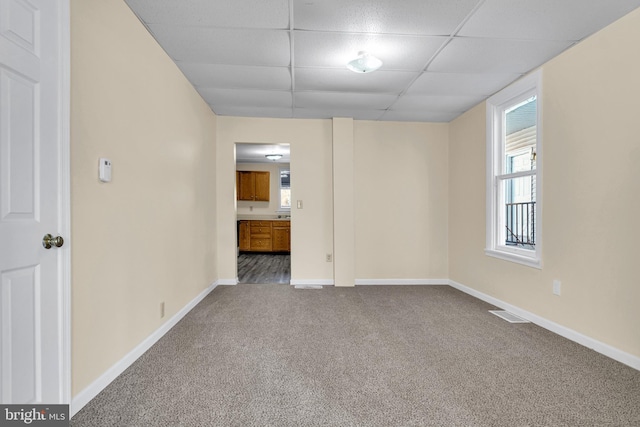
{"x": 263, "y": 213}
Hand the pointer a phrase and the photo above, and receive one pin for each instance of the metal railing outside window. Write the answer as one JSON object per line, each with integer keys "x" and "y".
{"x": 521, "y": 224}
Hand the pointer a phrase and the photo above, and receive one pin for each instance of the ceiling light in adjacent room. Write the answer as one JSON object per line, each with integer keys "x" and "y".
{"x": 364, "y": 63}
{"x": 273, "y": 157}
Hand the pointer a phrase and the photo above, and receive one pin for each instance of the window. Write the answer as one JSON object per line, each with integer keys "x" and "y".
{"x": 285, "y": 189}
{"x": 514, "y": 166}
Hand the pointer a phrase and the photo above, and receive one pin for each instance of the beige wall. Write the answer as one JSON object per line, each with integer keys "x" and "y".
{"x": 401, "y": 195}
{"x": 311, "y": 227}
{"x": 147, "y": 236}
{"x": 344, "y": 245}
{"x": 591, "y": 183}
{"x": 272, "y": 207}
{"x": 399, "y": 191}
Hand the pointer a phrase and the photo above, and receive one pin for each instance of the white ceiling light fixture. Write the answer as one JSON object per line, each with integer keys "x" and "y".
{"x": 273, "y": 157}
{"x": 364, "y": 63}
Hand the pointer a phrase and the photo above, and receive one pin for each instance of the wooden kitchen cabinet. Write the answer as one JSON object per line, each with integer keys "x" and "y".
{"x": 261, "y": 186}
{"x": 253, "y": 185}
{"x": 260, "y": 236}
{"x": 281, "y": 236}
{"x": 245, "y": 183}
{"x": 244, "y": 236}
{"x": 264, "y": 236}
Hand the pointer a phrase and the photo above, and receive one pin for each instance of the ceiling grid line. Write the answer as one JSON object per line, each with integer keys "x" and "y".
{"x": 292, "y": 59}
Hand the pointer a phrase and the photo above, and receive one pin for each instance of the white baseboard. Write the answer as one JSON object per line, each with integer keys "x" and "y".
{"x": 228, "y": 282}
{"x": 362, "y": 282}
{"x": 312, "y": 282}
{"x": 570, "y": 334}
{"x": 91, "y": 391}
{"x": 402, "y": 282}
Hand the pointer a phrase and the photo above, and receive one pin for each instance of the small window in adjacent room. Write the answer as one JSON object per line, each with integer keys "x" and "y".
{"x": 514, "y": 163}
{"x": 285, "y": 189}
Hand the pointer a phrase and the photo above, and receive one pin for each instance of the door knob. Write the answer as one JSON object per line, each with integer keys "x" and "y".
{"x": 48, "y": 240}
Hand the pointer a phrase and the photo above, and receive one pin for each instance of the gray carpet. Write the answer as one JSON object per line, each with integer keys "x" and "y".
{"x": 271, "y": 355}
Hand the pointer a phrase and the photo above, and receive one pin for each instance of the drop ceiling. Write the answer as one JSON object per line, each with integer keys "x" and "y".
{"x": 256, "y": 153}
{"x": 286, "y": 58}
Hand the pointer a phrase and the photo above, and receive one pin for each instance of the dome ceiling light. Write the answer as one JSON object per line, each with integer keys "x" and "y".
{"x": 364, "y": 63}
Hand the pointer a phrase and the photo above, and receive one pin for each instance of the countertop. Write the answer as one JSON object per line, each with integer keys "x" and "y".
{"x": 263, "y": 217}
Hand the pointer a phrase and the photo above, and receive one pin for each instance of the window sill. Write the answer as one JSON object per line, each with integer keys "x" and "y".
{"x": 513, "y": 257}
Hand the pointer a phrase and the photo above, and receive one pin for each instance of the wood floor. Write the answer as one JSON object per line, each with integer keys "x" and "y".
{"x": 264, "y": 268}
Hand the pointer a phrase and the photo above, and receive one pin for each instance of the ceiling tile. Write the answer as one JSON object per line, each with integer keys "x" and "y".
{"x": 338, "y": 80}
{"x": 244, "y": 111}
{"x": 419, "y": 116}
{"x": 224, "y": 46}
{"x": 344, "y": 101}
{"x": 544, "y": 19}
{"x": 470, "y": 55}
{"x": 460, "y": 83}
{"x": 228, "y": 14}
{"x": 334, "y": 50}
{"x": 244, "y": 97}
{"x": 428, "y": 17}
{"x": 442, "y": 103}
{"x": 328, "y": 113}
{"x": 237, "y": 76}
{"x": 255, "y": 153}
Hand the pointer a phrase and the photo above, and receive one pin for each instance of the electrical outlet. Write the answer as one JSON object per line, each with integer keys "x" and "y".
{"x": 556, "y": 287}
{"x": 329, "y": 257}
{"x": 162, "y": 309}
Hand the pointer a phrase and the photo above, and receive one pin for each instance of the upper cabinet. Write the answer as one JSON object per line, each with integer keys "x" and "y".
{"x": 253, "y": 185}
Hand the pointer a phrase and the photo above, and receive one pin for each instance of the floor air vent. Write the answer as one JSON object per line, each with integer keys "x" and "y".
{"x": 509, "y": 317}
{"x": 308, "y": 286}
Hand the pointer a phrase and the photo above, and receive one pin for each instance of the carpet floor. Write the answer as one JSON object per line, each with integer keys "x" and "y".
{"x": 265, "y": 355}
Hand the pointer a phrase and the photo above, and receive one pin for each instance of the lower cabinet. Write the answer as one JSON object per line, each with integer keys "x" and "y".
{"x": 264, "y": 236}
{"x": 281, "y": 236}
{"x": 260, "y": 236}
{"x": 244, "y": 236}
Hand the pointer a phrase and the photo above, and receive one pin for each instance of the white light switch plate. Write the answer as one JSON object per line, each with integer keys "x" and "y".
{"x": 105, "y": 170}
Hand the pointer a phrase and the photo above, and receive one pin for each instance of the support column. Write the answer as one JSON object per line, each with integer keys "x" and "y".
{"x": 343, "y": 203}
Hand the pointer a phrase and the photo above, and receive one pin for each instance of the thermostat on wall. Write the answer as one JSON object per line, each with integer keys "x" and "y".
{"x": 105, "y": 170}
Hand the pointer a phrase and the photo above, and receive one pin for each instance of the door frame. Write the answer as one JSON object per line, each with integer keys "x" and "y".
{"x": 235, "y": 205}
{"x": 64, "y": 196}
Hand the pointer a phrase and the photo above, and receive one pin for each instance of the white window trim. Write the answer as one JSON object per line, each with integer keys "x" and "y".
{"x": 524, "y": 88}
{"x": 282, "y": 209}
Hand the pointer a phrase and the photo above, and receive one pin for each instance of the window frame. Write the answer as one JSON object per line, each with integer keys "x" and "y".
{"x": 496, "y": 105}
{"x": 280, "y": 170}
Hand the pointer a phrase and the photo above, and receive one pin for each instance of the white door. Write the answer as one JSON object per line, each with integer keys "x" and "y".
{"x": 33, "y": 356}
